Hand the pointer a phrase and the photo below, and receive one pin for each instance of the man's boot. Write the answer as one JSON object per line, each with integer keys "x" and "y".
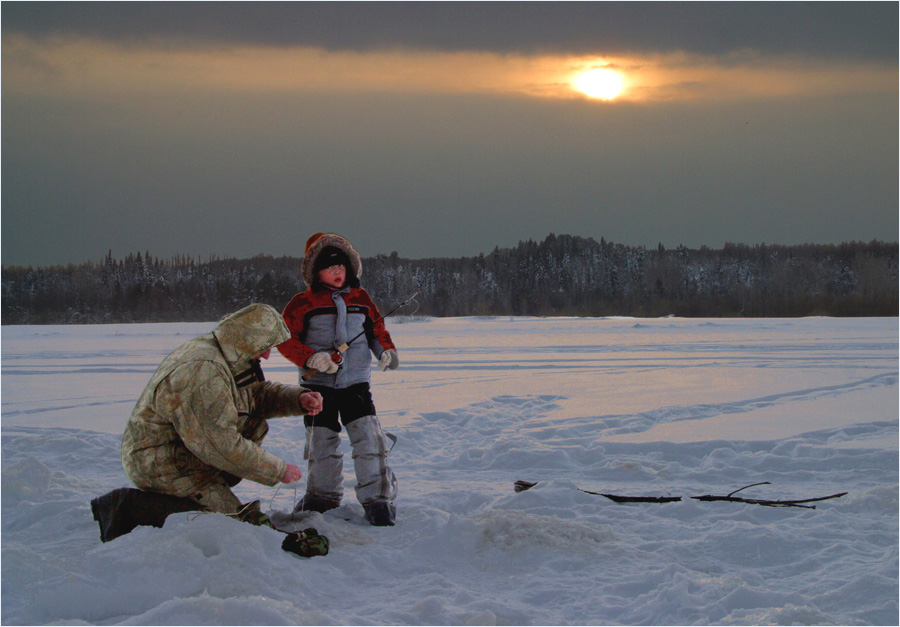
{"x": 120, "y": 511}
{"x": 325, "y": 474}
{"x": 376, "y": 486}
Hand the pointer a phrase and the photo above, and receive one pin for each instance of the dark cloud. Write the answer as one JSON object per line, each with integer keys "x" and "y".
{"x": 91, "y": 162}
{"x": 437, "y": 175}
{"x": 866, "y": 30}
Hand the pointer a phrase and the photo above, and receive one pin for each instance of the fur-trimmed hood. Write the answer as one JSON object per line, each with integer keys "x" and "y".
{"x": 314, "y": 247}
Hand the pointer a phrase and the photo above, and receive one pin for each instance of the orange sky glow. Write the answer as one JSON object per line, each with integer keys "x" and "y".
{"x": 87, "y": 67}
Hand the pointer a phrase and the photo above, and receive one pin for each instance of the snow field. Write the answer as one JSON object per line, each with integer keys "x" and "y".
{"x": 665, "y": 407}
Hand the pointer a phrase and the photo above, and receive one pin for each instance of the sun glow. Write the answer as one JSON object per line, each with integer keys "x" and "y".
{"x": 77, "y": 67}
{"x": 604, "y": 84}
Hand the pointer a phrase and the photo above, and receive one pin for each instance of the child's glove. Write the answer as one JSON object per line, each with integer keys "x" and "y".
{"x": 388, "y": 360}
{"x": 322, "y": 362}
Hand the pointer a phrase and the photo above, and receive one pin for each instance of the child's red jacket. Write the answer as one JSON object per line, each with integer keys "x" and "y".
{"x": 322, "y": 320}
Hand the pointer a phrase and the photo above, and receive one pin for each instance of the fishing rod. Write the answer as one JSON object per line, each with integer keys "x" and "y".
{"x": 338, "y": 355}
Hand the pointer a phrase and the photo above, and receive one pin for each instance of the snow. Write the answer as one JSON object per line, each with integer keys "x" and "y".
{"x": 667, "y": 407}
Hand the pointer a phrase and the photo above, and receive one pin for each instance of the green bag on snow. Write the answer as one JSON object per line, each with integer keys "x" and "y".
{"x": 306, "y": 543}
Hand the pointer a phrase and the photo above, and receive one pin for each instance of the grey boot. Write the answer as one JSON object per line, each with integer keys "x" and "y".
{"x": 376, "y": 486}
{"x": 325, "y": 474}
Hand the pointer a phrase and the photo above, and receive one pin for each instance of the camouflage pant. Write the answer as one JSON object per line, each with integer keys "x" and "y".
{"x": 193, "y": 478}
{"x": 217, "y": 496}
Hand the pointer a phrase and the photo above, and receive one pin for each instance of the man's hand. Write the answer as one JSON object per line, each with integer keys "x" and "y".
{"x": 311, "y": 402}
{"x": 291, "y": 474}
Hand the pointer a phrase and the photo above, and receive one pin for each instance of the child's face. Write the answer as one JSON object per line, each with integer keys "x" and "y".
{"x": 333, "y": 276}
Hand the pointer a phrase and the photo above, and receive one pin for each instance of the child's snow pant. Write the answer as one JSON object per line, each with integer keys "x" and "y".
{"x": 375, "y": 481}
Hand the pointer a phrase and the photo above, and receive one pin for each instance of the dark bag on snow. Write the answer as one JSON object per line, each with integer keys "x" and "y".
{"x": 121, "y": 510}
{"x": 306, "y": 543}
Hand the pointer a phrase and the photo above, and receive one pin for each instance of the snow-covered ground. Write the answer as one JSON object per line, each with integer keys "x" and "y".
{"x": 668, "y": 407}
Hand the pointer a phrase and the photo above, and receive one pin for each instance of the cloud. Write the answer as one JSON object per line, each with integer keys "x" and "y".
{"x": 235, "y": 129}
{"x": 100, "y": 69}
{"x": 862, "y": 30}
{"x": 436, "y": 174}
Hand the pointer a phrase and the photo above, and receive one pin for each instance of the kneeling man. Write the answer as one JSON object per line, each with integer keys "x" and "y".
{"x": 196, "y": 429}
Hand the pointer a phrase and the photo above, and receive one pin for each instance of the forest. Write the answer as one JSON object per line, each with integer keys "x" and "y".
{"x": 563, "y": 275}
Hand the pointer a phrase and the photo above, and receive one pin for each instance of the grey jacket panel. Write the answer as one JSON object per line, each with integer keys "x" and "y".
{"x": 327, "y": 332}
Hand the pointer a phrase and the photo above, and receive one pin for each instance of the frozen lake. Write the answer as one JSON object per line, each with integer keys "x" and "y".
{"x": 657, "y": 407}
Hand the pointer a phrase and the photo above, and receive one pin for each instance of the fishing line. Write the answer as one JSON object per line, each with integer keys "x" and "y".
{"x": 192, "y": 516}
{"x": 275, "y": 495}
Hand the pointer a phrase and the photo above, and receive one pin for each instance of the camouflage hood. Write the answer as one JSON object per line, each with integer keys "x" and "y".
{"x": 249, "y": 332}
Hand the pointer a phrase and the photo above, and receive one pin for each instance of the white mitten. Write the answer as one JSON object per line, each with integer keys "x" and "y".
{"x": 388, "y": 360}
{"x": 322, "y": 362}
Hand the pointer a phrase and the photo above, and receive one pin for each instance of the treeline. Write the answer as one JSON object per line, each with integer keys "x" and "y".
{"x": 562, "y": 275}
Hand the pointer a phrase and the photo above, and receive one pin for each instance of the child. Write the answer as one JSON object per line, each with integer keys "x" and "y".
{"x": 331, "y": 312}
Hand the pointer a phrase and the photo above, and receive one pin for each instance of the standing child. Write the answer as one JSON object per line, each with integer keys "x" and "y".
{"x": 332, "y": 311}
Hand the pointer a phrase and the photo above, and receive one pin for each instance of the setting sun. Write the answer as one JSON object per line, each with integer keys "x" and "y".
{"x": 605, "y": 84}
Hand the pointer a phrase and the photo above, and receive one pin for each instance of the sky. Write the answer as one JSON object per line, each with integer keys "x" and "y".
{"x": 442, "y": 129}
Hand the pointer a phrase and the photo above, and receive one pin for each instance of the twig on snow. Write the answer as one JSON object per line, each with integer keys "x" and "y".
{"x": 521, "y": 486}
